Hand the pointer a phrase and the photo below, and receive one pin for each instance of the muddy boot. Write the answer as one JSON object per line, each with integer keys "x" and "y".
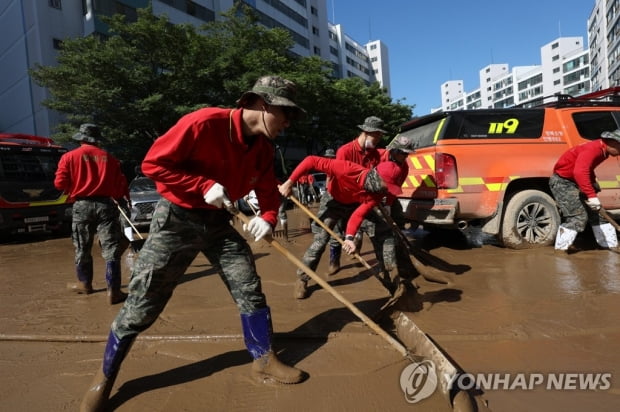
{"x": 301, "y": 289}
{"x": 84, "y": 285}
{"x": 257, "y": 332}
{"x": 113, "y": 280}
{"x": 96, "y": 397}
{"x": 388, "y": 282}
{"x": 334, "y": 259}
{"x": 359, "y": 237}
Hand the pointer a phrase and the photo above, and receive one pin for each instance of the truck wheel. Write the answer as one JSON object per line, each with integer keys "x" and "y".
{"x": 531, "y": 219}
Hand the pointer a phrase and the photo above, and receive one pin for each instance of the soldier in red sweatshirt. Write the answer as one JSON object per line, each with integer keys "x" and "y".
{"x": 573, "y": 185}
{"x": 356, "y": 190}
{"x": 210, "y": 158}
{"x": 93, "y": 178}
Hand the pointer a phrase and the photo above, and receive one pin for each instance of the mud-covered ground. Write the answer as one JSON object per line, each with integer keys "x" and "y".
{"x": 541, "y": 327}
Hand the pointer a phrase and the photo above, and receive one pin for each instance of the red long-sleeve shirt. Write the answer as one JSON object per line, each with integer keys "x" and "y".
{"x": 353, "y": 152}
{"x": 578, "y": 164}
{"x": 404, "y": 167}
{"x": 90, "y": 171}
{"x": 347, "y": 185}
{"x": 208, "y": 146}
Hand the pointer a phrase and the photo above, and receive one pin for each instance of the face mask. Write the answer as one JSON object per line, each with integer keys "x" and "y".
{"x": 368, "y": 144}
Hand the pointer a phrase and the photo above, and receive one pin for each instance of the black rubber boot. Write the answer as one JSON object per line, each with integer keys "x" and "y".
{"x": 97, "y": 396}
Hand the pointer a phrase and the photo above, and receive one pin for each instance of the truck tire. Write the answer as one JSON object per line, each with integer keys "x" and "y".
{"x": 531, "y": 220}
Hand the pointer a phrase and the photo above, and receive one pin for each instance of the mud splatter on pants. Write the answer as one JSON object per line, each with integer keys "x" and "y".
{"x": 100, "y": 216}
{"x": 175, "y": 238}
{"x": 571, "y": 204}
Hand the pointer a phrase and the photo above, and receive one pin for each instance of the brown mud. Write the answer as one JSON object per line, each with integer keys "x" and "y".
{"x": 507, "y": 312}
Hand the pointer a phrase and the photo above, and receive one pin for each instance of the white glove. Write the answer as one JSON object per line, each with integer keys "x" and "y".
{"x": 594, "y": 203}
{"x": 216, "y": 195}
{"x": 258, "y": 227}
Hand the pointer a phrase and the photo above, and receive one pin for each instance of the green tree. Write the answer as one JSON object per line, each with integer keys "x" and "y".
{"x": 139, "y": 79}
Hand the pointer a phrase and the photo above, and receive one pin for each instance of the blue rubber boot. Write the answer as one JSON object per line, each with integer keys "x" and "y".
{"x": 334, "y": 259}
{"x": 84, "y": 285}
{"x": 257, "y": 332}
{"x": 98, "y": 394}
{"x": 113, "y": 280}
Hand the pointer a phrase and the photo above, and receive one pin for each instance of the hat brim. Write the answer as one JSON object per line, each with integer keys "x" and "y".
{"x": 401, "y": 149}
{"x": 610, "y": 136}
{"x": 81, "y": 137}
{"x": 274, "y": 101}
{"x": 371, "y": 129}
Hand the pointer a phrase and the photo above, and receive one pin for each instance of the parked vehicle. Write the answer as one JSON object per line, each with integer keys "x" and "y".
{"x": 319, "y": 183}
{"x": 29, "y": 202}
{"x": 144, "y": 197}
{"x": 490, "y": 168}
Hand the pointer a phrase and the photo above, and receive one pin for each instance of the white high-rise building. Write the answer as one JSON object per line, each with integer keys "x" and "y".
{"x": 597, "y": 39}
{"x": 604, "y": 38}
{"x": 31, "y": 32}
{"x": 564, "y": 69}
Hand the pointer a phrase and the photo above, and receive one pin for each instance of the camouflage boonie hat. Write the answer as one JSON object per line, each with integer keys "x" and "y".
{"x": 372, "y": 124}
{"x": 276, "y": 91}
{"x": 89, "y": 133}
{"x": 373, "y": 182}
{"x": 402, "y": 143}
{"x": 615, "y": 135}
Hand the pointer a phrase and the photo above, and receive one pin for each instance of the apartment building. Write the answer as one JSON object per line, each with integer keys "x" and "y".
{"x": 31, "y": 32}
{"x": 564, "y": 68}
{"x": 604, "y": 38}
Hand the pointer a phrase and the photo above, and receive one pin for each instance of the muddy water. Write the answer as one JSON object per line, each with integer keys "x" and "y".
{"x": 532, "y": 314}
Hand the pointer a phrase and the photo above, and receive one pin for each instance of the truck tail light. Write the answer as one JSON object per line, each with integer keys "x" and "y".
{"x": 446, "y": 175}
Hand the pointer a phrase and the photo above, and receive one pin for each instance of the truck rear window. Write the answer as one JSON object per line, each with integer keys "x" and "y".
{"x": 591, "y": 124}
{"x": 479, "y": 124}
{"x": 28, "y": 166}
{"x": 498, "y": 124}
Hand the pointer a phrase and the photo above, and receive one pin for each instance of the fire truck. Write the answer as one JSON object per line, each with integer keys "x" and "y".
{"x": 490, "y": 168}
{"x": 29, "y": 202}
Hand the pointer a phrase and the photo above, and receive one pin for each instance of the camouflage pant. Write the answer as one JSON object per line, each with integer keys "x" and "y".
{"x": 175, "y": 238}
{"x": 96, "y": 216}
{"x": 336, "y": 215}
{"x": 571, "y": 203}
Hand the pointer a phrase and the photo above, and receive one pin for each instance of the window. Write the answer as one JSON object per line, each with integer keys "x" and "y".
{"x": 556, "y": 57}
{"x": 315, "y": 31}
{"x": 57, "y": 4}
{"x": 57, "y": 43}
{"x": 556, "y": 69}
{"x": 477, "y": 125}
{"x": 591, "y": 124}
{"x": 555, "y": 45}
